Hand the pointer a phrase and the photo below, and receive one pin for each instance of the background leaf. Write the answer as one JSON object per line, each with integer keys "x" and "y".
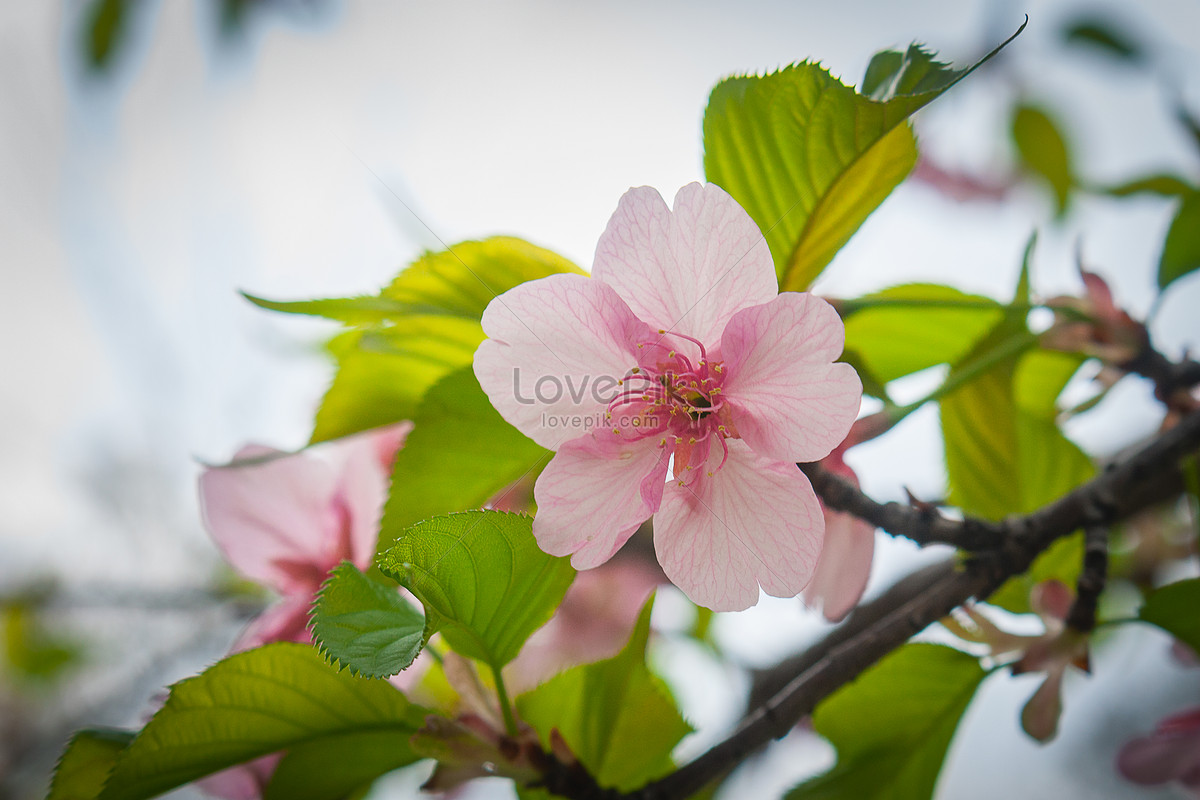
{"x": 893, "y": 725}
{"x": 276, "y": 697}
{"x": 460, "y": 454}
{"x": 1181, "y": 250}
{"x": 617, "y": 717}
{"x": 809, "y": 158}
{"x": 86, "y": 764}
{"x": 1104, "y": 35}
{"x": 365, "y": 626}
{"x": 1174, "y": 608}
{"x": 1043, "y": 150}
{"x": 897, "y": 340}
{"x": 485, "y": 584}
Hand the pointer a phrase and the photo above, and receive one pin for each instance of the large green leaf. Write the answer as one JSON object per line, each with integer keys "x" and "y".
{"x": 1004, "y": 452}
{"x": 615, "y": 715}
{"x": 1181, "y": 250}
{"x": 893, "y": 725}
{"x": 334, "y": 768}
{"x": 1176, "y": 609}
{"x": 382, "y": 373}
{"x": 86, "y": 764}
{"x": 485, "y": 584}
{"x": 809, "y": 158}
{"x": 365, "y": 626}
{"x": 460, "y": 454}
{"x": 459, "y": 282}
{"x": 905, "y": 329}
{"x": 1043, "y": 150}
{"x": 274, "y": 698}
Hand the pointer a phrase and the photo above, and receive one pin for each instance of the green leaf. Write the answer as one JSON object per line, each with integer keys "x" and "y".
{"x": 382, "y": 373}
{"x": 333, "y": 768}
{"x": 459, "y": 282}
{"x": 615, "y": 715}
{"x": 365, "y": 626}
{"x": 485, "y": 584}
{"x": 1043, "y": 150}
{"x": 276, "y": 697}
{"x": 105, "y": 32}
{"x": 1163, "y": 185}
{"x": 1103, "y": 35}
{"x": 31, "y": 650}
{"x": 809, "y": 159}
{"x": 1174, "y": 609}
{"x": 86, "y": 764}
{"x": 460, "y": 454}
{"x": 905, "y": 329}
{"x": 1181, "y": 251}
{"x": 893, "y": 725}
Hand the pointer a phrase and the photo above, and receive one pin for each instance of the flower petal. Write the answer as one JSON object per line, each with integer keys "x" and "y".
{"x": 360, "y": 496}
{"x": 1160, "y": 757}
{"x": 844, "y": 566}
{"x": 557, "y": 347}
{"x": 594, "y": 494}
{"x": 688, "y": 270}
{"x": 286, "y": 621}
{"x": 752, "y": 523}
{"x": 1039, "y": 717}
{"x": 244, "y": 782}
{"x": 789, "y": 402}
{"x": 274, "y": 520}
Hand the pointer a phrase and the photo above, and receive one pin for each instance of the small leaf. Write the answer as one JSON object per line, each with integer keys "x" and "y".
{"x": 1163, "y": 185}
{"x": 362, "y": 310}
{"x": 1043, "y": 150}
{"x": 615, "y": 715}
{"x": 1104, "y": 36}
{"x": 334, "y": 768}
{"x": 460, "y": 454}
{"x": 485, "y": 584}
{"x": 1174, "y": 608}
{"x": 105, "y": 32}
{"x": 1181, "y": 251}
{"x": 893, "y": 725}
{"x": 365, "y": 626}
{"x": 86, "y": 764}
{"x": 273, "y": 698}
{"x": 905, "y": 329}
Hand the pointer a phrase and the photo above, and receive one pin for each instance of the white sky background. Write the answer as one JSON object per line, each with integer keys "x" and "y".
{"x": 132, "y": 211}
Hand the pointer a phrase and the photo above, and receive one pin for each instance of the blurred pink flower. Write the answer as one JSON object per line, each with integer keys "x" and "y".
{"x": 1170, "y": 754}
{"x": 845, "y": 562}
{"x": 284, "y": 520}
{"x": 680, "y": 355}
{"x": 1057, "y": 648}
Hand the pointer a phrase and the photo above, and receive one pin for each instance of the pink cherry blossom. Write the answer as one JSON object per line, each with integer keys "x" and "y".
{"x": 284, "y": 520}
{"x": 1170, "y": 754}
{"x": 678, "y": 356}
{"x": 845, "y": 562}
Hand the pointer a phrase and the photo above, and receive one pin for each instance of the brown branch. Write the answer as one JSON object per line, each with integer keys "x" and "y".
{"x": 879, "y": 627}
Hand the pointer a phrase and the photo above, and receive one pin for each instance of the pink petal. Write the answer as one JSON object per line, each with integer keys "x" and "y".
{"x": 286, "y": 621}
{"x": 689, "y": 270}
{"x": 753, "y": 523}
{"x": 1039, "y": 717}
{"x": 844, "y": 566}
{"x": 1051, "y": 600}
{"x": 243, "y": 782}
{"x": 1160, "y": 758}
{"x": 360, "y": 495}
{"x": 557, "y": 347}
{"x": 275, "y": 521}
{"x": 790, "y": 403}
{"x": 594, "y": 494}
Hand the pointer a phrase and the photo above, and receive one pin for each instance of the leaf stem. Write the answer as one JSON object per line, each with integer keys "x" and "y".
{"x": 510, "y": 719}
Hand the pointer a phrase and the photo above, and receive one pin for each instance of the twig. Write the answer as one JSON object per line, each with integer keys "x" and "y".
{"x": 1091, "y": 582}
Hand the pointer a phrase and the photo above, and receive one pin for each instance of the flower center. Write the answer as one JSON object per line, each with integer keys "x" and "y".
{"x": 679, "y": 402}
